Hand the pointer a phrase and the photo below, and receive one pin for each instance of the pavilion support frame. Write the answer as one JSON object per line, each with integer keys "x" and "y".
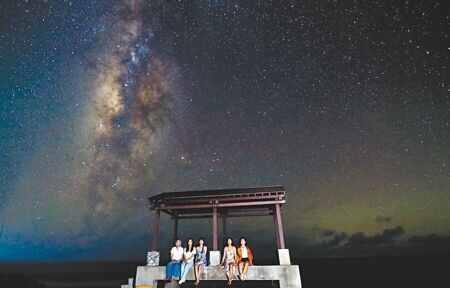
{"x": 262, "y": 201}
{"x": 279, "y": 227}
{"x": 215, "y": 238}
{"x": 275, "y": 225}
{"x": 155, "y": 232}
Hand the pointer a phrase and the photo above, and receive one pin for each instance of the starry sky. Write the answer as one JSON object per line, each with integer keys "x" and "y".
{"x": 105, "y": 103}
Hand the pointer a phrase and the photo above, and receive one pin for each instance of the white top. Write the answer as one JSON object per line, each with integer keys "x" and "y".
{"x": 188, "y": 254}
{"x": 176, "y": 253}
{"x": 244, "y": 252}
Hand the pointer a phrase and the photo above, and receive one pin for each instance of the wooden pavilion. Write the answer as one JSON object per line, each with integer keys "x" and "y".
{"x": 224, "y": 203}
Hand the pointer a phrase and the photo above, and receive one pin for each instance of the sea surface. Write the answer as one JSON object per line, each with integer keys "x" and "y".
{"x": 361, "y": 272}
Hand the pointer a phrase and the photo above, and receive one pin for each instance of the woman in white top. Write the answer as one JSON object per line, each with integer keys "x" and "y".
{"x": 188, "y": 259}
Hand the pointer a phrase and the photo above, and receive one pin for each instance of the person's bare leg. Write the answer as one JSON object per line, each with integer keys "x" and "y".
{"x": 245, "y": 269}
{"x": 228, "y": 273}
{"x": 240, "y": 269}
{"x": 200, "y": 268}
{"x": 231, "y": 272}
{"x": 197, "y": 274}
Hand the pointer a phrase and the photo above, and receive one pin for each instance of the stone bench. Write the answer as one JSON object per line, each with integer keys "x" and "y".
{"x": 287, "y": 275}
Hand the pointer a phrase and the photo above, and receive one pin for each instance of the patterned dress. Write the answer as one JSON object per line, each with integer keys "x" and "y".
{"x": 201, "y": 255}
{"x": 229, "y": 258}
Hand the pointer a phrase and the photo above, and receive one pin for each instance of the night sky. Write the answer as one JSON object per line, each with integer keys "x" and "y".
{"x": 105, "y": 103}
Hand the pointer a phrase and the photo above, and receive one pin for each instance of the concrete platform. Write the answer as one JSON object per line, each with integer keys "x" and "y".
{"x": 287, "y": 275}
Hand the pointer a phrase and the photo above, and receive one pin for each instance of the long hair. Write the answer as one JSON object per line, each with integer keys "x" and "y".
{"x": 204, "y": 243}
{"x": 187, "y": 245}
{"x": 226, "y": 241}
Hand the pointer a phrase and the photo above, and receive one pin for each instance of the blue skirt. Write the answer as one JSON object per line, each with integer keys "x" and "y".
{"x": 173, "y": 270}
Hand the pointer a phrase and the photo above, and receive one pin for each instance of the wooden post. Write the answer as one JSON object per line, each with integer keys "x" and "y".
{"x": 279, "y": 226}
{"x": 155, "y": 230}
{"x": 275, "y": 225}
{"x": 214, "y": 227}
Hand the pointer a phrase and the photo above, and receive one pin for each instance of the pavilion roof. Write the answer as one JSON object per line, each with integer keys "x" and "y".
{"x": 235, "y": 202}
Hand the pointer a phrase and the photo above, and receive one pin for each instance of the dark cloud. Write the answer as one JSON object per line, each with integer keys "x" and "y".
{"x": 382, "y": 219}
{"x": 360, "y": 239}
{"x": 337, "y": 239}
{"x": 431, "y": 239}
{"x": 429, "y": 244}
{"x": 385, "y": 243}
{"x": 328, "y": 233}
{"x": 388, "y": 235}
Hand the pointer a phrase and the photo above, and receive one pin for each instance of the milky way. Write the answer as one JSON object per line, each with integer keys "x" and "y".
{"x": 132, "y": 91}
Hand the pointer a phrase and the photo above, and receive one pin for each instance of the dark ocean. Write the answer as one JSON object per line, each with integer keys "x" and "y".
{"x": 370, "y": 272}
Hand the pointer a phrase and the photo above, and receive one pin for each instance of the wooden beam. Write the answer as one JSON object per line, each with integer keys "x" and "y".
{"x": 237, "y": 204}
{"x": 194, "y": 216}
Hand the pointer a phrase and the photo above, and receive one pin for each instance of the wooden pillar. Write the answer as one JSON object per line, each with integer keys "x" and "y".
{"x": 275, "y": 225}
{"x": 279, "y": 226}
{"x": 175, "y": 227}
{"x": 155, "y": 230}
{"x": 214, "y": 227}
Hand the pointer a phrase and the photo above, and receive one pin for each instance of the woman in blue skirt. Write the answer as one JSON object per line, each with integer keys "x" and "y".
{"x": 200, "y": 261}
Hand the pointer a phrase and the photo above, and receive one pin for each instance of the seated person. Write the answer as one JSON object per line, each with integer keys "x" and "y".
{"x": 200, "y": 260}
{"x": 244, "y": 257}
{"x": 189, "y": 255}
{"x": 173, "y": 269}
{"x": 229, "y": 259}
